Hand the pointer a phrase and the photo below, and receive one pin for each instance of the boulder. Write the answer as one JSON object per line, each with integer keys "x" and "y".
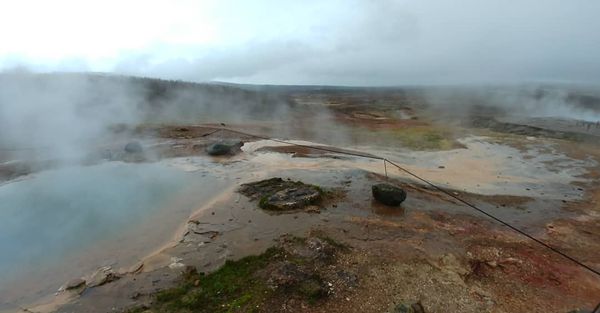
{"x": 388, "y": 194}
{"x": 133, "y": 147}
{"x": 224, "y": 148}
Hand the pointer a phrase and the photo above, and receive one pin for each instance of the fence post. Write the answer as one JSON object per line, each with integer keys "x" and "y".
{"x": 385, "y": 169}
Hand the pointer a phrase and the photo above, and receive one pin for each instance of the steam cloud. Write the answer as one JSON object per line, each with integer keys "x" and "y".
{"x": 60, "y": 116}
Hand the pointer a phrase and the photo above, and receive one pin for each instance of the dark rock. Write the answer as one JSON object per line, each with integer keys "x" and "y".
{"x": 388, "y": 194}
{"x": 262, "y": 188}
{"x": 133, "y": 147}
{"x": 224, "y": 148}
{"x": 282, "y": 195}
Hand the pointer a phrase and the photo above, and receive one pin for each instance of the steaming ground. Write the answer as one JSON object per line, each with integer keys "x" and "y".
{"x": 90, "y": 203}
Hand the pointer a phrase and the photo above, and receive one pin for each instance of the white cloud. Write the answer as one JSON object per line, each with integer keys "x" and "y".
{"x": 319, "y": 42}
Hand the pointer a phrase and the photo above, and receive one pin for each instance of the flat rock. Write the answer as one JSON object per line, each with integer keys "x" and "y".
{"x": 103, "y": 276}
{"x": 276, "y": 194}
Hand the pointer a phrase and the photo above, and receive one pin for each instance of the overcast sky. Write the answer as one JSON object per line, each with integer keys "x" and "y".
{"x": 349, "y": 42}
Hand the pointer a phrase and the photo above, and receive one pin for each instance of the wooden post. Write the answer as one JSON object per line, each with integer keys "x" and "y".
{"x": 385, "y": 169}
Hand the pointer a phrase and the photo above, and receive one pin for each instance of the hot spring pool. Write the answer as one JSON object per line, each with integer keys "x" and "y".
{"x": 63, "y": 223}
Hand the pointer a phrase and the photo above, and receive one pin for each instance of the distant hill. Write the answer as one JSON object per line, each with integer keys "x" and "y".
{"x": 155, "y": 99}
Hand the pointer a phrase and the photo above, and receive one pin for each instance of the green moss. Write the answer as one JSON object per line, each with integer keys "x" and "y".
{"x": 263, "y": 203}
{"x": 232, "y": 288}
{"x": 424, "y": 138}
{"x": 241, "y": 286}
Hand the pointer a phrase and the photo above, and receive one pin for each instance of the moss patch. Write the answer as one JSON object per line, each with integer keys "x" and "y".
{"x": 252, "y": 283}
{"x": 232, "y": 288}
{"x": 424, "y": 138}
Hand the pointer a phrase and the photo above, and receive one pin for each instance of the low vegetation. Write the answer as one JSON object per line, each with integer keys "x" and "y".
{"x": 251, "y": 283}
{"x": 423, "y": 138}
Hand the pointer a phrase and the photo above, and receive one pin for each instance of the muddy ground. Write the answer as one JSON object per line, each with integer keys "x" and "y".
{"x": 433, "y": 250}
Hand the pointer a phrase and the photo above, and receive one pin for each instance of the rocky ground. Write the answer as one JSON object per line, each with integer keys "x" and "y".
{"x": 301, "y": 231}
{"x": 429, "y": 251}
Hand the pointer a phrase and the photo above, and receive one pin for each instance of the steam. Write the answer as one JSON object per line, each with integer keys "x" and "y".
{"x": 61, "y": 116}
{"x": 64, "y": 116}
{"x": 516, "y": 101}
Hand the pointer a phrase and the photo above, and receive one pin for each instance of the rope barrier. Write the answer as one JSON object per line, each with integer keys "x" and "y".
{"x": 523, "y": 233}
{"x": 498, "y": 220}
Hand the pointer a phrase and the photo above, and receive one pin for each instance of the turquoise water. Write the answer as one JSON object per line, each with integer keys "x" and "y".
{"x": 53, "y": 216}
